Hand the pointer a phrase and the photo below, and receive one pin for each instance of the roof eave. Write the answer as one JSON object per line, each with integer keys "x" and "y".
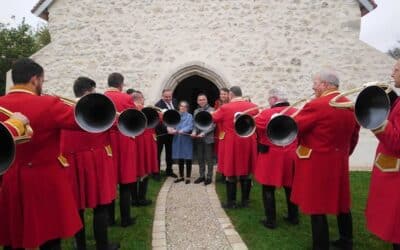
{"x": 40, "y": 10}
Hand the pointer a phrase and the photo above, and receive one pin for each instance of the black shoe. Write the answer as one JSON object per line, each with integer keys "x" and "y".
{"x": 207, "y": 182}
{"x": 342, "y": 244}
{"x": 199, "y": 180}
{"x": 187, "y": 181}
{"x": 111, "y": 223}
{"x": 244, "y": 204}
{"x": 156, "y": 177}
{"x": 293, "y": 221}
{"x": 129, "y": 222}
{"x": 113, "y": 246}
{"x": 172, "y": 175}
{"x": 179, "y": 180}
{"x": 230, "y": 205}
{"x": 268, "y": 224}
{"x": 143, "y": 203}
{"x": 135, "y": 203}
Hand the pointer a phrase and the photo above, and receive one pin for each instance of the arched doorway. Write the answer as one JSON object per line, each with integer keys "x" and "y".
{"x": 192, "y": 78}
{"x": 190, "y": 87}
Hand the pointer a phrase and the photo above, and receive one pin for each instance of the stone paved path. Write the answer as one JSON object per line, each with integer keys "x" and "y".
{"x": 189, "y": 216}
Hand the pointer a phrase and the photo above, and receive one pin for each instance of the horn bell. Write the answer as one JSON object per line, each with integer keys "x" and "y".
{"x": 372, "y": 107}
{"x": 7, "y": 149}
{"x": 95, "y": 113}
{"x": 171, "y": 118}
{"x": 282, "y": 130}
{"x": 203, "y": 120}
{"x": 245, "y": 125}
{"x": 132, "y": 122}
{"x": 152, "y": 116}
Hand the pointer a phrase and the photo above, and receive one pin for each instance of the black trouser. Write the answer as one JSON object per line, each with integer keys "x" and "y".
{"x": 124, "y": 202}
{"x": 139, "y": 191}
{"x": 99, "y": 228}
{"x": 245, "y": 184}
{"x": 48, "y": 245}
{"x": 167, "y": 141}
{"x": 111, "y": 213}
{"x": 268, "y": 198}
{"x": 205, "y": 156}
{"x": 181, "y": 163}
{"x": 320, "y": 231}
{"x": 396, "y": 246}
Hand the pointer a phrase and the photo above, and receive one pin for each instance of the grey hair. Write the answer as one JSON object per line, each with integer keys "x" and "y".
{"x": 279, "y": 93}
{"x": 184, "y": 103}
{"x": 329, "y": 76}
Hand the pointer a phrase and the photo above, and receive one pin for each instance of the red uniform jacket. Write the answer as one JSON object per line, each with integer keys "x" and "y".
{"x": 383, "y": 205}
{"x": 217, "y": 130}
{"x": 14, "y": 132}
{"x": 147, "y": 151}
{"x": 274, "y": 167}
{"x": 36, "y": 201}
{"x": 237, "y": 156}
{"x": 91, "y": 169}
{"x": 123, "y": 147}
{"x": 327, "y": 137}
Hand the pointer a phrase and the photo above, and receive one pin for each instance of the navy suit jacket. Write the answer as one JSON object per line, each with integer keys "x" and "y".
{"x": 161, "y": 128}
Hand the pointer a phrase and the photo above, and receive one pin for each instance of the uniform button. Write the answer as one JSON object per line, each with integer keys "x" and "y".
{"x": 30, "y": 164}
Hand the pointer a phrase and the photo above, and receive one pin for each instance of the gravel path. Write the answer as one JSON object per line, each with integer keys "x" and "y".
{"x": 190, "y": 219}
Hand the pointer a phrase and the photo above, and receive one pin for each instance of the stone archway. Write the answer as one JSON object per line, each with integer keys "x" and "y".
{"x": 189, "y": 88}
{"x": 193, "y": 78}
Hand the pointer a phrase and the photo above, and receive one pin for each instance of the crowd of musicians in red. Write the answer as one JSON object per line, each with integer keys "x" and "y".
{"x": 64, "y": 170}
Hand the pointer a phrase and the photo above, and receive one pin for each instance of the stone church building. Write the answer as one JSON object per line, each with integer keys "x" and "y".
{"x": 202, "y": 45}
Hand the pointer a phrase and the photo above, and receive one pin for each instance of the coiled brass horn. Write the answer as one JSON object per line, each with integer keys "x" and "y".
{"x": 94, "y": 112}
{"x": 8, "y": 143}
{"x": 245, "y": 126}
{"x": 152, "y": 116}
{"x": 203, "y": 120}
{"x": 282, "y": 129}
{"x": 372, "y": 105}
{"x": 132, "y": 122}
{"x": 171, "y": 118}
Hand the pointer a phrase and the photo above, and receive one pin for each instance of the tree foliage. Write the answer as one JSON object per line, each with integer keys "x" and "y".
{"x": 17, "y": 42}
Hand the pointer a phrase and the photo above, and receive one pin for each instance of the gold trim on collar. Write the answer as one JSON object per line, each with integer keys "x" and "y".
{"x": 237, "y": 99}
{"x": 329, "y": 92}
{"x": 113, "y": 89}
{"x": 21, "y": 89}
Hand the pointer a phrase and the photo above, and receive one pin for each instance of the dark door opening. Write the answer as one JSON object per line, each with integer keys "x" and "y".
{"x": 189, "y": 88}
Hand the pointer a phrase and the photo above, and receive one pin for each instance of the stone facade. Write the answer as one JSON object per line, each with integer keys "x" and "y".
{"x": 252, "y": 43}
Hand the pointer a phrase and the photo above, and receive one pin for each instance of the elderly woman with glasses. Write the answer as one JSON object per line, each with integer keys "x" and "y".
{"x": 182, "y": 146}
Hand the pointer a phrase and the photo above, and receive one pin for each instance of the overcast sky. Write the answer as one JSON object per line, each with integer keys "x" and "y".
{"x": 380, "y": 28}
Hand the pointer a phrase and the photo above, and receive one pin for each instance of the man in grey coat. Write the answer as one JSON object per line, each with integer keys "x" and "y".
{"x": 205, "y": 143}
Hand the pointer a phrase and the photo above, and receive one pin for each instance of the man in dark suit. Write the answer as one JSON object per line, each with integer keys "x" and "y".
{"x": 163, "y": 138}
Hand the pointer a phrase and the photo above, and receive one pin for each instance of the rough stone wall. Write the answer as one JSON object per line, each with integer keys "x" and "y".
{"x": 252, "y": 43}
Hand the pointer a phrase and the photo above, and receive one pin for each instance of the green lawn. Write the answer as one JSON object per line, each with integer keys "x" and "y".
{"x": 137, "y": 236}
{"x": 256, "y": 236}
